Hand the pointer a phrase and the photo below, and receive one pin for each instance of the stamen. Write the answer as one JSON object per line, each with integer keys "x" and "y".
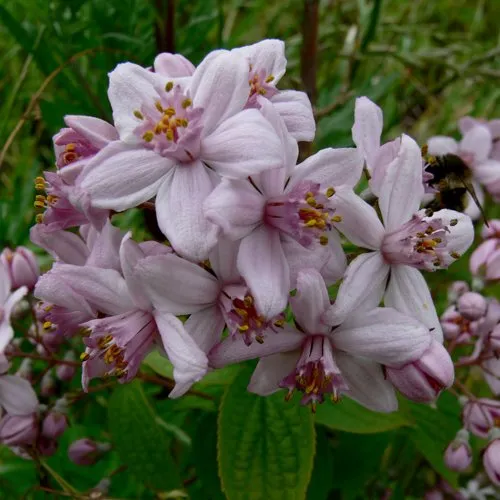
{"x": 169, "y": 86}
{"x": 138, "y": 114}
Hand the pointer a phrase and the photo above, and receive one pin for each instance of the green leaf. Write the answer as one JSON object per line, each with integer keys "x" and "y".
{"x": 139, "y": 440}
{"x": 266, "y": 446}
{"x": 350, "y": 416}
{"x": 323, "y": 477}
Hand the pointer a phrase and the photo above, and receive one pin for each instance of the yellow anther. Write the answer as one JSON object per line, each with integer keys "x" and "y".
{"x": 323, "y": 240}
{"x": 337, "y": 218}
{"x": 330, "y": 192}
{"x": 40, "y": 197}
{"x": 241, "y": 312}
{"x": 259, "y": 339}
{"x": 455, "y": 255}
{"x": 47, "y": 325}
{"x": 70, "y": 147}
{"x": 158, "y": 106}
{"x": 39, "y": 180}
{"x": 170, "y": 112}
{"x": 40, "y": 187}
{"x": 84, "y": 356}
{"x": 169, "y": 86}
{"x": 311, "y": 223}
{"x": 279, "y": 323}
{"x": 186, "y": 103}
{"x": 148, "y": 136}
{"x": 39, "y": 218}
{"x": 39, "y": 204}
{"x": 248, "y": 300}
{"x": 170, "y": 134}
{"x": 138, "y": 114}
{"x": 48, "y": 308}
{"x": 262, "y": 91}
{"x": 309, "y": 194}
{"x": 453, "y": 222}
{"x": 311, "y": 201}
{"x": 269, "y": 79}
{"x": 420, "y": 235}
{"x": 243, "y": 328}
{"x": 437, "y": 240}
{"x": 184, "y": 122}
{"x": 429, "y": 230}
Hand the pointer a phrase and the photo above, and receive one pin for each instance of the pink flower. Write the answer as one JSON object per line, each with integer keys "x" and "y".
{"x": 485, "y": 260}
{"x": 455, "y": 326}
{"x": 17, "y": 397}
{"x": 7, "y": 302}
{"x": 86, "y": 451}
{"x": 284, "y": 218}
{"x": 317, "y": 360}
{"x": 472, "y": 306}
{"x": 410, "y": 241}
{"x": 19, "y": 430}
{"x": 480, "y": 416}
{"x": 491, "y": 461}
{"x": 458, "y": 454}
{"x": 22, "y": 266}
{"x": 168, "y": 132}
{"x": 173, "y": 65}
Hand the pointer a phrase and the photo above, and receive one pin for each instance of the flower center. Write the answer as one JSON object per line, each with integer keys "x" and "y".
{"x": 260, "y": 84}
{"x": 305, "y": 213}
{"x": 316, "y": 373}
{"x": 420, "y": 243}
{"x": 170, "y": 125}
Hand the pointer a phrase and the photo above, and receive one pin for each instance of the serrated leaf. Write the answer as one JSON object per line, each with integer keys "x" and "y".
{"x": 140, "y": 441}
{"x": 265, "y": 446}
{"x": 350, "y": 416}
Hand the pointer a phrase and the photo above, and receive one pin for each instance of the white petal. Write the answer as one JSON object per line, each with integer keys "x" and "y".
{"x": 367, "y": 129}
{"x": 98, "y": 132}
{"x": 402, "y": 190}
{"x": 383, "y": 335}
{"x": 5, "y": 283}
{"x": 189, "y": 361}
{"x": 310, "y": 301}
{"x": 367, "y": 383}
{"x": 17, "y": 397}
{"x": 223, "y": 260}
{"x": 173, "y": 65}
{"x": 336, "y": 265}
{"x": 262, "y": 262}
{"x": 441, "y": 145}
{"x": 296, "y": 110}
{"x": 231, "y": 149}
{"x": 384, "y": 157}
{"x": 331, "y": 167}
{"x": 205, "y": 327}
{"x": 408, "y": 292}
{"x": 179, "y": 211}
{"x": 220, "y": 86}
{"x": 362, "y": 288}
{"x": 62, "y": 245}
{"x": 270, "y": 371}
{"x": 176, "y": 285}
{"x": 360, "y": 223}
{"x": 122, "y": 176}
{"x": 477, "y": 141}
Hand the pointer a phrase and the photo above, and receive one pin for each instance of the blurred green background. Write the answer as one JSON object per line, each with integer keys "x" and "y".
{"x": 425, "y": 63}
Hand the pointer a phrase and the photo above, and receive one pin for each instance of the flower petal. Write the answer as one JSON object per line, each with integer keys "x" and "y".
{"x": 179, "y": 210}
{"x": 189, "y": 361}
{"x": 98, "y": 132}
{"x": 402, "y": 190}
{"x": 477, "y": 141}
{"x": 360, "y": 223}
{"x": 310, "y": 302}
{"x": 383, "y": 335}
{"x": 173, "y": 65}
{"x": 5, "y": 283}
{"x": 270, "y": 371}
{"x": 367, "y": 129}
{"x": 62, "y": 245}
{"x": 362, "y": 288}
{"x": 220, "y": 86}
{"x": 233, "y": 350}
{"x": 366, "y": 382}
{"x": 176, "y": 285}
{"x": 408, "y": 292}
{"x": 336, "y": 264}
{"x": 236, "y": 207}
{"x": 122, "y": 176}
{"x": 481, "y": 254}
{"x": 261, "y": 261}
{"x": 17, "y": 397}
{"x": 105, "y": 248}
{"x": 223, "y": 260}
{"x": 6, "y": 330}
{"x": 295, "y": 109}
{"x": 441, "y": 145}
{"x": 231, "y": 148}
{"x": 384, "y": 157}
{"x": 491, "y": 374}
{"x": 461, "y": 235}
{"x": 205, "y": 327}
{"x": 331, "y": 167}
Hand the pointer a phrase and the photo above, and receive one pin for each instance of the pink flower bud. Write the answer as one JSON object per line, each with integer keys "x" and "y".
{"x": 491, "y": 461}
{"x": 66, "y": 372}
{"x": 472, "y": 305}
{"x": 494, "y": 338}
{"x": 18, "y": 430}
{"x": 47, "y": 385}
{"x": 22, "y": 267}
{"x": 492, "y": 230}
{"x": 480, "y": 416}
{"x": 46, "y": 446}
{"x": 456, "y": 289}
{"x": 424, "y": 379}
{"x": 86, "y": 452}
{"x": 458, "y": 455}
{"x": 54, "y": 425}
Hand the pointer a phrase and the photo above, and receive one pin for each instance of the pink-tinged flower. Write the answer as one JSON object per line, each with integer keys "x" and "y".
{"x": 455, "y": 326}
{"x": 410, "y": 241}
{"x": 492, "y": 230}
{"x": 458, "y": 454}
{"x": 75, "y": 145}
{"x": 66, "y": 372}
{"x": 480, "y": 416}
{"x": 456, "y": 289}
{"x": 318, "y": 360}
{"x": 86, "y": 451}
{"x": 424, "y": 379}
{"x": 7, "y": 302}
{"x": 267, "y": 64}
{"x": 22, "y": 266}
{"x": 468, "y": 123}
{"x": 285, "y": 217}
{"x": 17, "y": 397}
{"x": 169, "y": 132}
{"x": 19, "y": 430}
{"x": 472, "y": 306}
{"x": 485, "y": 260}
{"x": 173, "y": 65}
{"x": 54, "y": 425}
{"x": 491, "y": 461}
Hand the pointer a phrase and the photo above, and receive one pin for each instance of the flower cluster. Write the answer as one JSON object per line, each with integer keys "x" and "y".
{"x": 251, "y": 238}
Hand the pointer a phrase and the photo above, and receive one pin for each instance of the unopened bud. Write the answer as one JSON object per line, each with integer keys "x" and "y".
{"x": 46, "y": 446}
{"x": 25, "y": 369}
{"x": 472, "y": 306}
{"x": 54, "y": 425}
{"x": 22, "y": 267}
{"x": 47, "y": 385}
{"x": 481, "y": 415}
{"x": 18, "y": 430}
{"x": 458, "y": 455}
{"x": 491, "y": 461}
{"x": 66, "y": 372}
{"x": 456, "y": 289}
{"x": 86, "y": 452}
{"x": 424, "y": 379}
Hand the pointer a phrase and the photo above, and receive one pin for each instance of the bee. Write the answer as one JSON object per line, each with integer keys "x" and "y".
{"x": 452, "y": 178}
